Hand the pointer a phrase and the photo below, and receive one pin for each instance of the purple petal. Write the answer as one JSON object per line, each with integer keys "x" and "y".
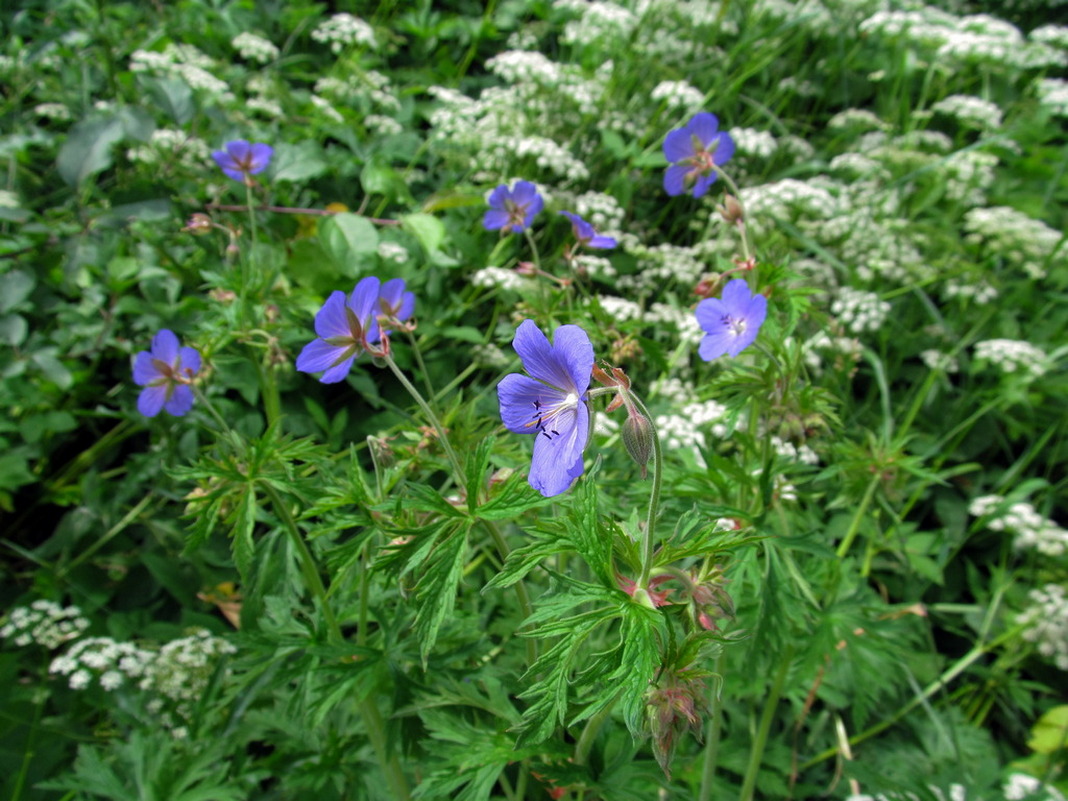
{"x": 495, "y": 219}
{"x": 704, "y": 126}
{"x": 234, "y": 173}
{"x": 572, "y": 345}
{"x": 714, "y": 345}
{"x": 575, "y": 219}
{"x": 337, "y": 372}
{"x": 602, "y": 242}
{"x": 407, "y": 306}
{"x": 498, "y": 196}
{"x": 261, "y": 157}
{"x": 516, "y": 394}
{"x": 151, "y": 400}
{"x": 710, "y": 313}
{"x": 239, "y": 150}
{"x": 180, "y": 401}
{"x": 364, "y": 300}
{"x": 703, "y": 182}
{"x": 190, "y": 359}
{"x": 144, "y": 369}
{"x": 678, "y": 146}
{"x": 675, "y": 179}
{"x": 724, "y": 149}
{"x": 331, "y": 320}
{"x": 557, "y": 462}
{"x": 165, "y": 347}
{"x": 736, "y": 296}
{"x": 539, "y": 357}
{"x": 320, "y": 355}
{"x": 525, "y": 193}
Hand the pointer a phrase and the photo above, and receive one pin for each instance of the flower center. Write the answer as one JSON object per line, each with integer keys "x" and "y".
{"x": 545, "y": 415}
{"x": 735, "y": 326}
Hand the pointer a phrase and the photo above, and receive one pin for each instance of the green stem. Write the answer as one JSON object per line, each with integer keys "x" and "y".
{"x": 746, "y": 250}
{"x": 28, "y": 754}
{"x": 457, "y": 466}
{"x": 589, "y": 733}
{"x": 654, "y": 499}
{"x": 371, "y": 716}
{"x": 854, "y": 526}
{"x": 251, "y": 212}
{"x": 521, "y": 593}
{"x": 533, "y": 248}
{"x": 272, "y": 401}
{"x": 715, "y": 728}
{"x": 756, "y": 753}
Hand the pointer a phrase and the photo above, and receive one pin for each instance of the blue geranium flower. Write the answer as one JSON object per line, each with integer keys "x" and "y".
{"x": 550, "y": 402}
{"x": 346, "y": 328}
{"x": 730, "y": 324}
{"x": 165, "y": 372}
{"x": 513, "y": 209}
{"x": 694, "y": 152}
{"x": 240, "y": 159}
{"x": 586, "y": 235}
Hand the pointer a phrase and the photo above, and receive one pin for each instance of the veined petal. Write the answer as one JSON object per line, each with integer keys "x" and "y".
{"x": 736, "y": 297}
{"x": 180, "y": 401}
{"x": 715, "y": 344}
{"x": 165, "y": 347}
{"x": 525, "y": 193}
{"x": 573, "y": 347}
{"x": 319, "y": 355}
{"x": 757, "y": 312}
{"x": 151, "y": 400}
{"x": 678, "y": 146}
{"x": 539, "y": 357}
{"x": 704, "y": 126}
{"x": 331, "y": 320}
{"x": 239, "y": 150}
{"x": 724, "y": 148}
{"x": 364, "y": 299}
{"x": 495, "y": 219}
{"x": 703, "y": 182}
{"x": 190, "y": 358}
{"x": 710, "y": 313}
{"x": 261, "y": 157}
{"x": 520, "y": 397}
{"x": 337, "y": 372}
{"x": 675, "y": 179}
{"x": 144, "y": 369}
{"x": 601, "y": 242}
{"x": 234, "y": 173}
{"x": 557, "y": 461}
{"x": 498, "y": 196}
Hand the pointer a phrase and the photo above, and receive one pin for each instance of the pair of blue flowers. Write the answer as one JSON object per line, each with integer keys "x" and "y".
{"x": 514, "y": 209}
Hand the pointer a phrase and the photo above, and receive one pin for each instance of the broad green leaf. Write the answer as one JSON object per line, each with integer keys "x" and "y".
{"x": 13, "y": 329}
{"x": 1050, "y": 734}
{"x": 297, "y": 162}
{"x": 87, "y": 150}
{"x": 15, "y": 287}
{"x": 429, "y": 230}
{"x": 350, "y": 240}
{"x": 174, "y": 97}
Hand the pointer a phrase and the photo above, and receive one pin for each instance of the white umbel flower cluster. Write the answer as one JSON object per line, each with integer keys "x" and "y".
{"x": 185, "y": 62}
{"x": 1047, "y": 623}
{"x": 1021, "y": 240}
{"x": 859, "y": 311}
{"x": 1030, "y": 528}
{"x": 599, "y": 21}
{"x": 678, "y": 95}
{"x": 43, "y": 623}
{"x": 970, "y": 110}
{"x": 343, "y": 30}
{"x": 254, "y": 48}
{"x": 1013, "y": 356}
{"x": 1053, "y": 95}
{"x": 170, "y": 146}
{"x": 102, "y": 658}
{"x": 491, "y": 277}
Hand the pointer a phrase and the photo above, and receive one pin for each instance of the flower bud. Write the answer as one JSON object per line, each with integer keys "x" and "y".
{"x": 731, "y": 211}
{"x": 638, "y": 438}
{"x": 199, "y": 224}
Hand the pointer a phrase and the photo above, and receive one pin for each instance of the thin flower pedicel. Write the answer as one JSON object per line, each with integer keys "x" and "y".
{"x": 165, "y": 372}
{"x": 695, "y": 151}
{"x": 550, "y": 402}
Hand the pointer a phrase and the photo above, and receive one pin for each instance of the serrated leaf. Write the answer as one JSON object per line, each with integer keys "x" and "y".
{"x": 475, "y": 470}
{"x": 87, "y": 150}
{"x": 243, "y": 520}
{"x": 525, "y": 558}
{"x": 435, "y": 594}
{"x": 511, "y": 499}
{"x": 424, "y": 499}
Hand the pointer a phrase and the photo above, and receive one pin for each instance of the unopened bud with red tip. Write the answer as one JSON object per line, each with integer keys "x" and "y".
{"x": 638, "y": 436}
{"x": 199, "y": 224}
{"x": 731, "y": 210}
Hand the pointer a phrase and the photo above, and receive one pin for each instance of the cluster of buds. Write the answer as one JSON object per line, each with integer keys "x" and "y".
{"x": 702, "y": 594}
{"x": 638, "y": 433}
{"x": 678, "y": 704}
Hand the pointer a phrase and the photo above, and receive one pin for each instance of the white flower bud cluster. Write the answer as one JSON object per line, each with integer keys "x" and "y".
{"x": 1020, "y": 240}
{"x": 1047, "y": 623}
{"x": 845, "y": 349}
{"x": 342, "y": 30}
{"x": 682, "y": 319}
{"x": 979, "y": 291}
{"x": 489, "y": 356}
{"x": 182, "y": 668}
{"x": 679, "y": 95}
{"x": 110, "y": 662}
{"x": 859, "y": 165}
{"x": 516, "y": 66}
{"x": 1020, "y": 786}
{"x": 794, "y": 453}
{"x": 971, "y": 111}
{"x": 171, "y": 146}
{"x": 498, "y": 277}
{"x": 1030, "y": 528}
{"x": 661, "y": 264}
{"x": 1053, "y": 95}
{"x": 185, "y": 62}
{"x": 857, "y": 119}
{"x": 270, "y": 108}
{"x": 326, "y": 107}
{"x": 43, "y": 623}
{"x": 751, "y": 142}
{"x": 599, "y": 21}
{"x": 53, "y": 111}
{"x": 1053, "y": 35}
{"x": 969, "y": 175}
{"x": 254, "y": 48}
{"x": 859, "y": 311}
{"x": 937, "y": 360}
{"x": 393, "y": 251}
{"x": 675, "y": 390}
{"x": 683, "y": 430}
{"x": 620, "y": 309}
{"x": 600, "y": 210}
{"x": 786, "y": 200}
{"x": 1013, "y": 356}
{"x": 595, "y": 266}
{"x": 382, "y": 125}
